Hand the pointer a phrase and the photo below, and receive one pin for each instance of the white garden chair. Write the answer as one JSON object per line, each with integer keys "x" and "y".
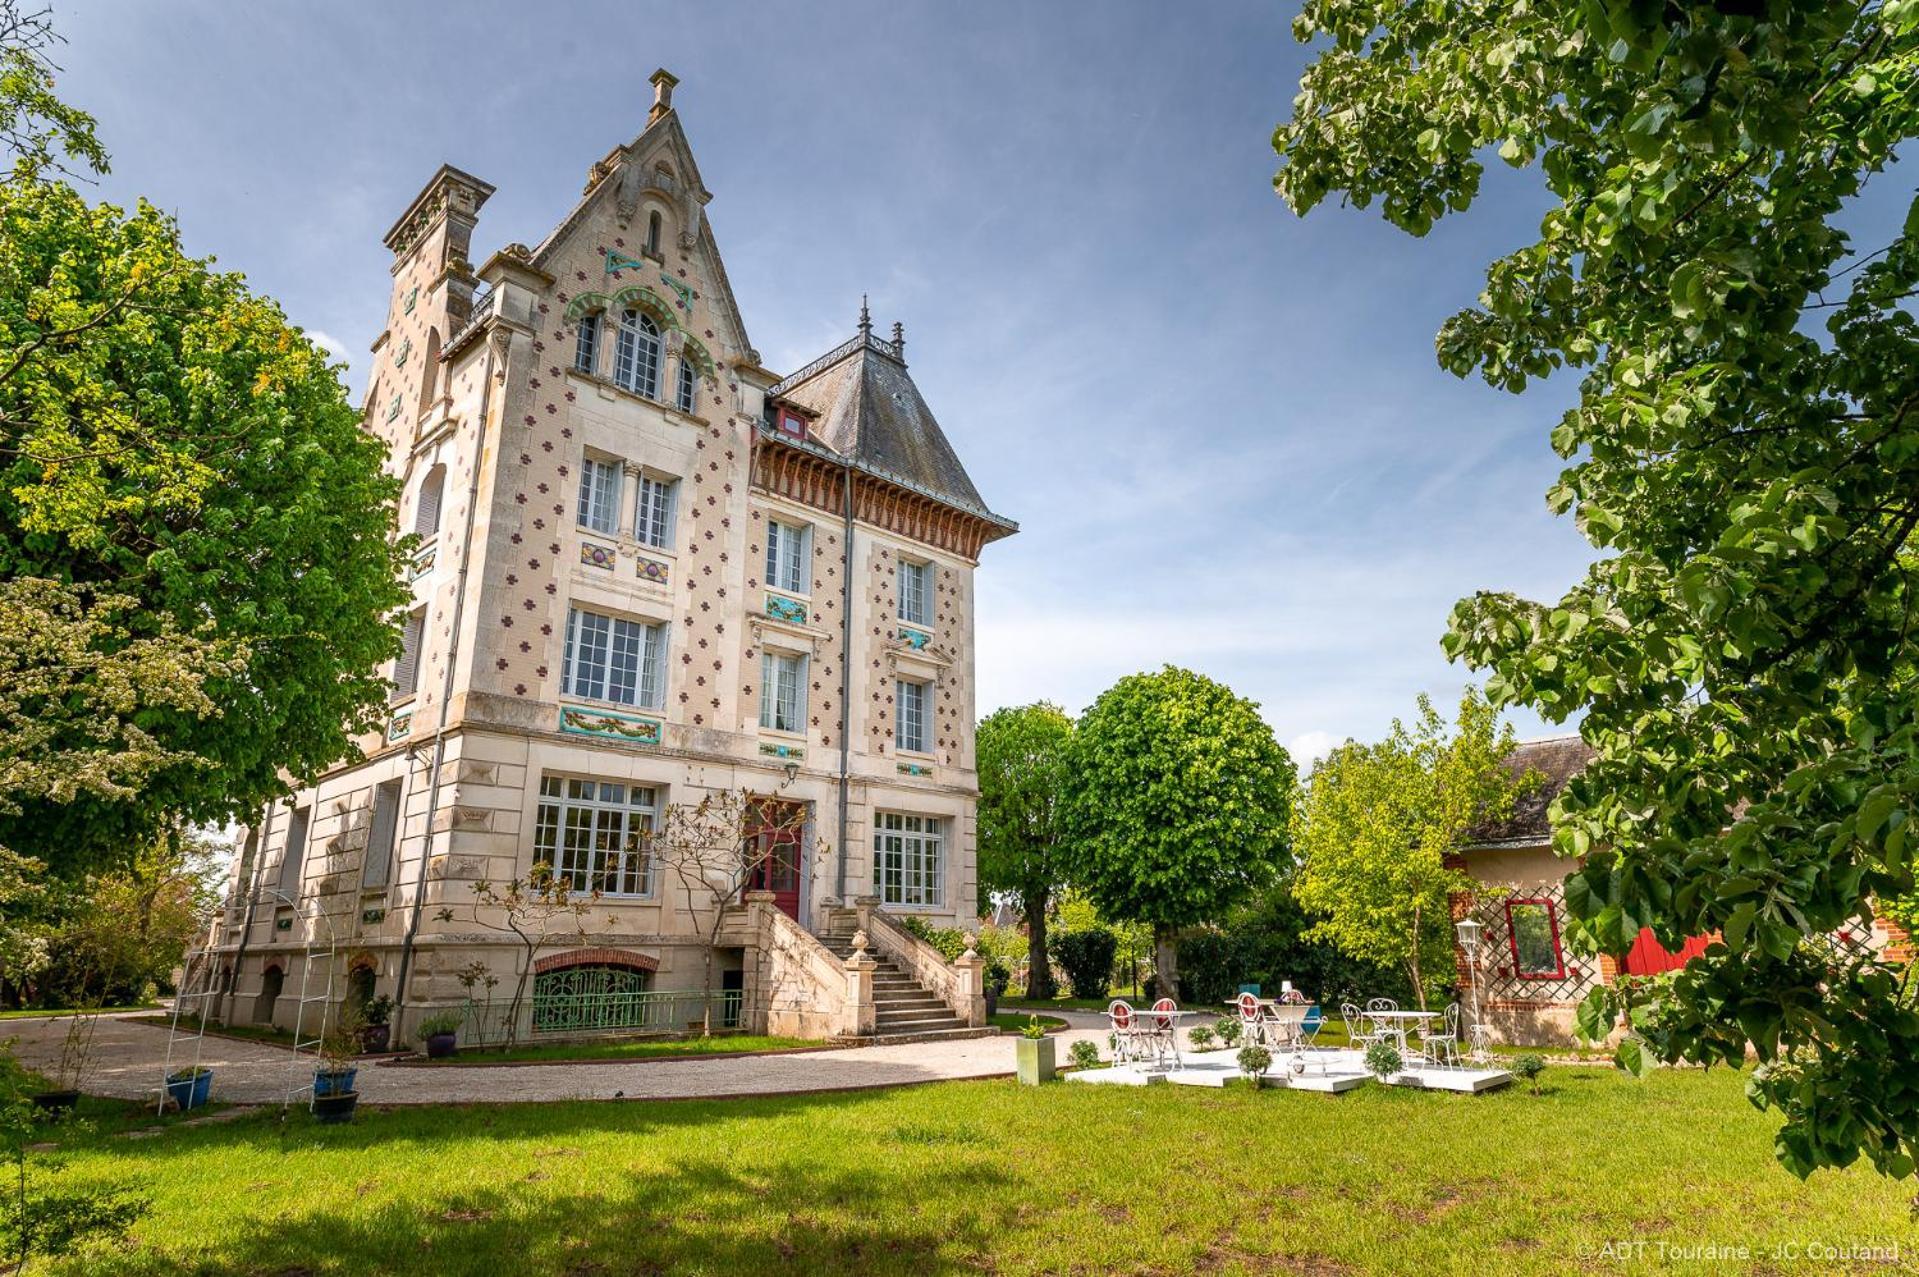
{"x": 1164, "y": 1022}
{"x": 1125, "y": 1025}
{"x": 1441, "y": 1046}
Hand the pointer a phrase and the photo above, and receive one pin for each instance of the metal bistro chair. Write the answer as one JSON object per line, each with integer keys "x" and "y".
{"x": 1309, "y": 1027}
{"x": 1252, "y": 1024}
{"x": 1165, "y": 1026}
{"x": 1125, "y": 1024}
{"x": 1441, "y": 1047}
{"x": 1358, "y": 1035}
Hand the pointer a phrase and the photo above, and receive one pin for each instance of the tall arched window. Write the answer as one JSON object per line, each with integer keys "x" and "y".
{"x": 684, "y": 395}
{"x": 426, "y": 511}
{"x": 637, "y": 366}
{"x": 653, "y": 233}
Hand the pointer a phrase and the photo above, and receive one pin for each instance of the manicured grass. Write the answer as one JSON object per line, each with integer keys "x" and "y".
{"x": 638, "y": 1049}
{"x": 37, "y": 1015}
{"x": 991, "y": 1176}
{"x": 1065, "y": 1004}
{"x": 1017, "y": 1020}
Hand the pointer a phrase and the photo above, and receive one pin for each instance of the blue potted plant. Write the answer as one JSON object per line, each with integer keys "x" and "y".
{"x": 188, "y": 1088}
{"x": 442, "y": 1034}
{"x": 336, "y": 1072}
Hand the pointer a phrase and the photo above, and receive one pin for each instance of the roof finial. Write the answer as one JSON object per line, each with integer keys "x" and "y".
{"x": 899, "y": 339}
{"x": 866, "y": 318}
{"x": 663, "y": 82}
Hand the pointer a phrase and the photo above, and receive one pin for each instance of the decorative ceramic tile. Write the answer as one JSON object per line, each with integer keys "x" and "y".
{"x": 915, "y": 639}
{"x": 598, "y": 556}
{"x": 372, "y": 916}
{"x": 653, "y": 570}
{"x": 581, "y": 721}
{"x": 399, "y": 725}
{"x": 914, "y": 769}
{"x": 784, "y": 609}
{"x": 424, "y": 561}
{"x": 773, "y": 749}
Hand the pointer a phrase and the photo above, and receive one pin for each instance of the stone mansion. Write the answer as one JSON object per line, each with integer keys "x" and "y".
{"x": 648, "y": 570}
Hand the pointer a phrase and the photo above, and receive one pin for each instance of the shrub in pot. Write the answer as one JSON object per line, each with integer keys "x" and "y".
{"x": 335, "y": 1107}
{"x": 1034, "y": 1054}
{"x": 1383, "y": 1060}
{"x": 336, "y": 1072}
{"x": 1201, "y": 1038}
{"x": 442, "y": 1033}
{"x": 375, "y": 1034}
{"x": 189, "y": 1088}
{"x": 1254, "y": 1060}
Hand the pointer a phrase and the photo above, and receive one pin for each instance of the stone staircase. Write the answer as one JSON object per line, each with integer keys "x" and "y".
{"x": 904, "y": 1011}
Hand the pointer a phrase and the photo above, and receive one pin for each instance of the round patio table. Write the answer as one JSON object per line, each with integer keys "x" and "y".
{"x": 1397, "y": 1022}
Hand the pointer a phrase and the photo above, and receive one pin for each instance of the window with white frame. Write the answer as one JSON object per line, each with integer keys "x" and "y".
{"x": 608, "y": 658}
{"x": 636, "y": 356}
{"x": 600, "y": 495}
{"x": 910, "y": 704}
{"x": 907, "y": 859}
{"x": 593, "y": 833}
{"x": 586, "y": 344}
{"x": 782, "y": 691}
{"x": 683, "y": 398}
{"x": 916, "y": 585}
{"x": 787, "y": 549}
{"x": 653, "y": 515}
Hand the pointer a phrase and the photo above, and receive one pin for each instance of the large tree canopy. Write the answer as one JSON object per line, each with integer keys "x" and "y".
{"x": 1022, "y": 756}
{"x": 1745, "y": 456}
{"x": 1373, "y": 828}
{"x": 1175, "y": 805}
{"x": 173, "y": 450}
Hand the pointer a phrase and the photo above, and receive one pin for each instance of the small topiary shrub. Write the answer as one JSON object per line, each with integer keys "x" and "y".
{"x": 1530, "y": 1066}
{"x": 1254, "y": 1060}
{"x": 1229, "y": 1029}
{"x": 1088, "y": 958}
{"x": 1201, "y": 1038}
{"x": 1085, "y": 1054}
{"x": 1383, "y": 1060}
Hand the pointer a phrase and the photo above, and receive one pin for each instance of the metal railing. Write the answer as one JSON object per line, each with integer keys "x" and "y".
{"x": 570, "y": 1011}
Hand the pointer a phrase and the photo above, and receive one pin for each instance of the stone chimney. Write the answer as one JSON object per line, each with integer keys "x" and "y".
{"x": 663, "y": 82}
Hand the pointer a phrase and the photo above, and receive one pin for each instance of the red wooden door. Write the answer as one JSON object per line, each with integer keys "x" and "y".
{"x": 777, "y": 854}
{"x": 1648, "y": 957}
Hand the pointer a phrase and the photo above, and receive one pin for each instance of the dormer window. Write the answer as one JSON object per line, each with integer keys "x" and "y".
{"x": 788, "y": 422}
{"x": 637, "y": 359}
{"x": 653, "y": 233}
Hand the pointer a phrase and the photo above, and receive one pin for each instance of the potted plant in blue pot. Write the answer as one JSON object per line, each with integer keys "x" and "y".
{"x": 442, "y": 1034}
{"x": 188, "y": 1088}
{"x": 336, "y": 1072}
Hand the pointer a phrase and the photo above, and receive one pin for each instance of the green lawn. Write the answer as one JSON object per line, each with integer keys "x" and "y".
{"x": 1017, "y": 1020}
{"x": 1062, "y": 1003}
{"x": 35, "y": 1015}
{"x": 634, "y": 1049}
{"x": 252, "y": 1032}
{"x": 990, "y": 1176}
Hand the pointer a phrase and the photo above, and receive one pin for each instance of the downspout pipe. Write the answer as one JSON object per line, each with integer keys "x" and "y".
{"x": 846, "y": 678}
{"x": 446, "y": 691}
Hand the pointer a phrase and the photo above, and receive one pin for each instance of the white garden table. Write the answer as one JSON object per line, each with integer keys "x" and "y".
{"x": 1398, "y": 1022}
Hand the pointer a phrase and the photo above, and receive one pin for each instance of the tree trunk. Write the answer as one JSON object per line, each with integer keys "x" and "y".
{"x": 1412, "y": 962}
{"x": 1039, "y": 968}
{"x": 1165, "y": 964}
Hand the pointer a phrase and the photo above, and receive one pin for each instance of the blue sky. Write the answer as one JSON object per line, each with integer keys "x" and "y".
{"x": 1221, "y": 427}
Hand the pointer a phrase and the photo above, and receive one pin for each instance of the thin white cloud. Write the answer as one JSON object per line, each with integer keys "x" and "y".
{"x": 334, "y": 347}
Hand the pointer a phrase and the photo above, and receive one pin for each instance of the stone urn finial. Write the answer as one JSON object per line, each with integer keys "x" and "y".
{"x": 971, "y": 942}
{"x": 859, "y": 942}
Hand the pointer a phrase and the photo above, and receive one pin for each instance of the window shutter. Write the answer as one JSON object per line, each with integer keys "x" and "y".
{"x": 426, "y": 517}
{"x": 766, "y": 689}
{"x": 379, "y": 844}
{"x": 669, "y": 497}
{"x": 651, "y": 653}
{"x": 406, "y": 670}
{"x": 295, "y": 853}
{"x": 772, "y": 553}
{"x": 566, "y": 652}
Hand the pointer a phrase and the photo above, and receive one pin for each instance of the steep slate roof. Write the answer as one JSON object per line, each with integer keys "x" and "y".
{"x": 1557, "y": 760}
{"x": 871, "y": 412}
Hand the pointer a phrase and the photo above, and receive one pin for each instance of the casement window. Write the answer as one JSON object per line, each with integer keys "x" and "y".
{"x": 406, "y": 670}
{"x": 636, "y": 356}
{"x": 653, "y": 227}
{"x": 608, "y": 658}
{"x": 593, "y": 834}
{"x": 426, "y": 509}
{"x": 783, "y": 691}
{"x": 586, "y": 344}
{"x": 787, "y": 550}
{"x": 380, "y": 837}
{"x": 1532, "y": 932}
{"x": 908, "y": 859}
{"x": 295, "y": 852}
{"x": 600, "y": 495}
{"x": 683, "y": 398}
{"x": 910, "y": 705}
{"x": 653, "y": 514}
{"x": 916, "y": 588}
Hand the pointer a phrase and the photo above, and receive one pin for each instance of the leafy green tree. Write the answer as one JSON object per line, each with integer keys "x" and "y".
{"x": 1023, "y": 753}
{"x": 1175, "y": 805}
{"x": 1373, "y": 826}
{"x": 1743, "y": 454}
{"x": 185, "y": 466}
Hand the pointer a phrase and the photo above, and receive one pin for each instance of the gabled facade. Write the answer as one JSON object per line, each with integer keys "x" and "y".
{"x": 648, "y": 569}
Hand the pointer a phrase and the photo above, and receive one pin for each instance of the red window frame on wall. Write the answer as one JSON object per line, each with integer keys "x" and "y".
{"x": 1512, "y": 939}
{"x": 788, "y": 422}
